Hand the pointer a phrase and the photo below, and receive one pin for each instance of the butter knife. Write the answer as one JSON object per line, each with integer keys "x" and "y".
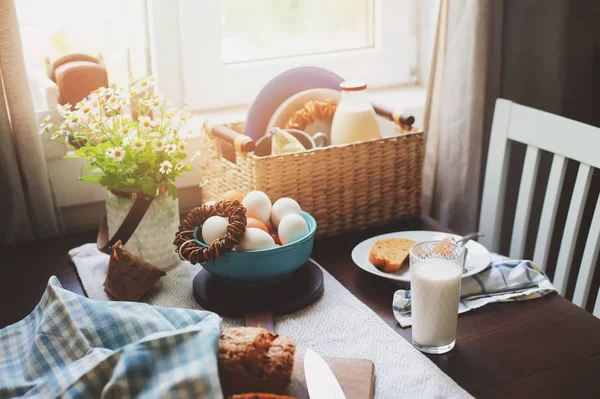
{"x": 320, "y": 380}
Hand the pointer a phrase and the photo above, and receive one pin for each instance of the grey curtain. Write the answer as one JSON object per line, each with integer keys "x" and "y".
{"x": 27, "y": 209}
{"x": 462, "y": 85}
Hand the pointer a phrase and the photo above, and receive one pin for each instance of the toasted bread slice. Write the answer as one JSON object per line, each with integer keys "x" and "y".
{"x": 389, "y": 255}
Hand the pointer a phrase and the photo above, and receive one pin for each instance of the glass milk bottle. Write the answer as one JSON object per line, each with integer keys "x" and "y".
{"x": 354, "y": 118}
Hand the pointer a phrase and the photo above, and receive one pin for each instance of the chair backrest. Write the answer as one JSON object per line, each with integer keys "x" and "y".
{"x": 565, "y": 139}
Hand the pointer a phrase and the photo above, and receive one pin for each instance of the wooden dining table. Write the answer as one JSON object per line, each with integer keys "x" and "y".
{"x": 546, "y": 347}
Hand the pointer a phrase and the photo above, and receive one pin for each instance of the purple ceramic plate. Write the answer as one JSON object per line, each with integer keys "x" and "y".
{"x": 279, "y": 89}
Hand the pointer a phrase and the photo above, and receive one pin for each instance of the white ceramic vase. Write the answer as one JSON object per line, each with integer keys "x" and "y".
{"x": 153, "y": 238}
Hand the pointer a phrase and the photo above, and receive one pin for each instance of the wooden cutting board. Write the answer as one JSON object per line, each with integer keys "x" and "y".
{"x": 258, "y": 306}
{"x": 356, "y": 377}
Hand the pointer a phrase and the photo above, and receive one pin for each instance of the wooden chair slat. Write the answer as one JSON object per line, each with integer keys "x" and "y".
{"x": 571, "y": 230}
{"x": 521, "y": 224}
{"x": 588, "y": 262}
{"x": 552, "y": 195}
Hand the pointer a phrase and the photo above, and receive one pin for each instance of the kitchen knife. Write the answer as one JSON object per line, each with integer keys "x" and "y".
{"x": 320, "y": 381}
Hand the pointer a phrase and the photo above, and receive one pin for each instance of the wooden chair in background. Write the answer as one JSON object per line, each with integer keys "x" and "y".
{"x": 76, "y": 76}
{"x": 565, "y": 139}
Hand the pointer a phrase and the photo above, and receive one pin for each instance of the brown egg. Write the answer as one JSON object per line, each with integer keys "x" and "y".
{"x": 276, "y": 238}
{"x": 232, "y": 195}
{"x": 253, "y": 222}
{"x": 270, "y": 226}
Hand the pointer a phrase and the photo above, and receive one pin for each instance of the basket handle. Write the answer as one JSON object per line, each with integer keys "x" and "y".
{"x": 395, "y": 116}
{"x": 240, "y": 142}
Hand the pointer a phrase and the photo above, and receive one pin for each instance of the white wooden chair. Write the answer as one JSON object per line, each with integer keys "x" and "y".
{"x": 566, "y": 139}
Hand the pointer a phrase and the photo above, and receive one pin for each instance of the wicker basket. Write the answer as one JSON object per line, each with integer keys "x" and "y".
{"x": 346, "y": 187}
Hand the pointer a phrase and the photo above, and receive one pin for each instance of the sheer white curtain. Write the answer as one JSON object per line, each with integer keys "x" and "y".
{"x": 455, "y": 113}
{"x": 26, "y": 206}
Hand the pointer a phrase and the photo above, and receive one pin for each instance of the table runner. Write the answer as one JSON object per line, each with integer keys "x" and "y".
{"x": 337, "y": 325}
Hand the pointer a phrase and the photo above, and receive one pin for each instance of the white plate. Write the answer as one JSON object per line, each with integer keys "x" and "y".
{"x": 478, "y": 257}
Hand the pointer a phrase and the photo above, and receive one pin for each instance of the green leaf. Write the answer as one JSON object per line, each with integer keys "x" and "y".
{"x": 149, "y": 189}
{"x": 92, "y": 178}
{"x": 172, "y": 190}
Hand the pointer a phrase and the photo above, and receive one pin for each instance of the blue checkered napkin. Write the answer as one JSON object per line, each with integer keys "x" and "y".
{"x": 74, "y": 347}
{"x": 504, "y": 281}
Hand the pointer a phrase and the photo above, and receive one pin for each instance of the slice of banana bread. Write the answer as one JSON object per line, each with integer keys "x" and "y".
{"x": 255, "y": 360}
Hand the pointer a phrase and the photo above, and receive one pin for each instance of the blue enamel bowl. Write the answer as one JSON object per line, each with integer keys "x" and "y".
{"x": 266, "y": 266}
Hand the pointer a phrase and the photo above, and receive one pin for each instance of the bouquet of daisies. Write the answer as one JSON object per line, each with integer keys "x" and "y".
{"x": 129, "y": 141}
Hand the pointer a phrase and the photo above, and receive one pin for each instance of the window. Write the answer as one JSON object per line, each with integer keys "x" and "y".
{"x": 231, "y": 48}
{"x": 268, "y": 29}
{"x": 218, "y": 54}
{"x": 113, "y": 28}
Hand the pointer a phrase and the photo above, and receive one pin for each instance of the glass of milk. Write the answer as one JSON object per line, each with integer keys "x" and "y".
{"x": 435, "y": 275}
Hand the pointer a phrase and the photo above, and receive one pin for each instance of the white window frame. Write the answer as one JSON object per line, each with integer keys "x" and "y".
{"x": 185, "y": 40}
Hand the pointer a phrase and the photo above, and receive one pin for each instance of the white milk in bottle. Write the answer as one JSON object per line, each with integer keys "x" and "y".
{"x": 435, "y": 292}
{"x": 354, "y": 118}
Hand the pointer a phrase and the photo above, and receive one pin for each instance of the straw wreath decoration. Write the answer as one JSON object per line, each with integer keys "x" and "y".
{"x": 312, "y": 111}
{"x": 187, "y": 246}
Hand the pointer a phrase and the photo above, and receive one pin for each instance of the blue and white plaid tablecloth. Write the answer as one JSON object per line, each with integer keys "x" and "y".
{"x": 74, "y": 347}
{"x": 489, "y": 286}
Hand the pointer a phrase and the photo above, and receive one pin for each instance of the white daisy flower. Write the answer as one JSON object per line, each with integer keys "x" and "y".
{"x": 181, "y": 146}
{"x": 145, "y": 83}
{"x": 180, "y": 165}
{"x": 183, "y": 117}
{"x": 73, "y": 120}
{"x": 166, "y": 167}
{"x": 104, "y": 92}
{"x": 146, "y": 123}
{"x": 113, "y": 103}
{"x": 157, "y": 100}
{"x": 57, "y": 134}
{"x": 45, "y": 125}
{"x": 170, "y": 148}
{"x": 138, "y": 144}
{"x": 64, "y": 110}
{"x": 158, "y": 145}
{"x": 118, "y": 154}
{"x": 125, "y": 131}
{"x": 110, "y": 153}
{"x": 171, "y": 112}
{"x": 87, "y": 109}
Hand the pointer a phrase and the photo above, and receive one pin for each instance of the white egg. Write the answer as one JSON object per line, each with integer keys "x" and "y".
{"x": 214, "y": 228}
{"x": 255, "y": 239}
{"x": 283, "y": 207}
{"x": 258, "y": 205}
{"x": 292, "y": 228}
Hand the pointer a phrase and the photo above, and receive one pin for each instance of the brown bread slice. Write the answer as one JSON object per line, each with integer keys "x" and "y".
{"x": 255, "y": 360}
{"x": 390, "y": 254}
